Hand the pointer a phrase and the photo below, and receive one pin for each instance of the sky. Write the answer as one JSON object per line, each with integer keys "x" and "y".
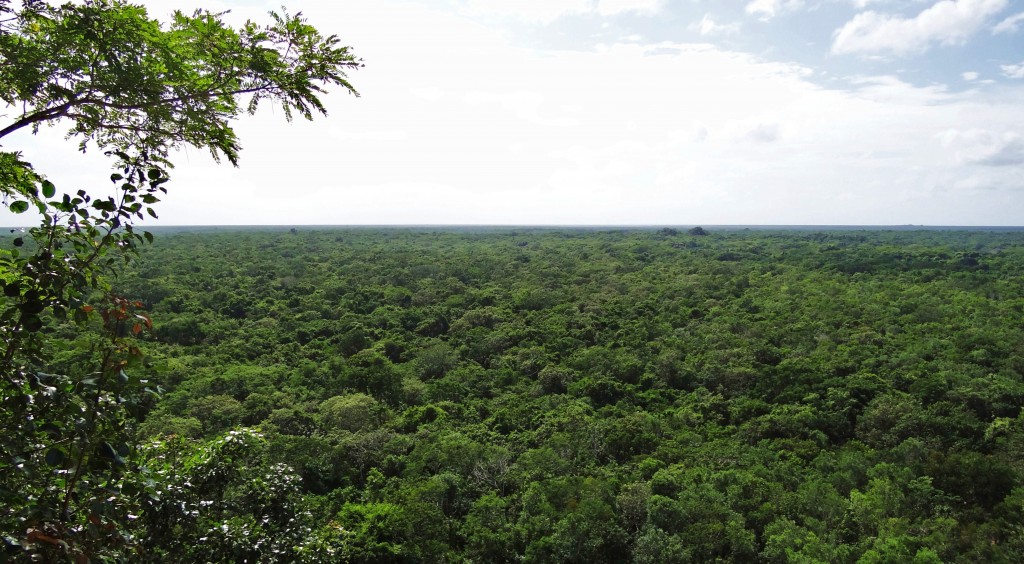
{"x": 618, "y": 112}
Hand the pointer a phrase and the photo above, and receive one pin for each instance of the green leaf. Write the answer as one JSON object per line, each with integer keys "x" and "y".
{"x": 48, "y": 189}
{"x": 12, "y": 290}
{"x": 31, "y": 323}
{"x": 107, "y": 451}
{"x": 55, "y": 456}
{"x": 19, "y": 206}
{"x": 105, "y": 205}
{"x": 32, "y": 306}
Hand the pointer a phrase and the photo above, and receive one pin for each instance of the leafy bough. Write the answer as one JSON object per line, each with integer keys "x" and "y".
{"x": 137, "y": 90}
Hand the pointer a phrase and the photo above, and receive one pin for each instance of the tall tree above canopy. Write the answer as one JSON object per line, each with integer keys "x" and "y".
{"x": 135, "y": 89}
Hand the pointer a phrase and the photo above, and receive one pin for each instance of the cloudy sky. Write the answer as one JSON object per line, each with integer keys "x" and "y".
{"x": 863, "y": 112}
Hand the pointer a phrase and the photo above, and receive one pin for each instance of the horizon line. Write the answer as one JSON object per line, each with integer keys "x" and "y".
{"x": 802, "y": 226}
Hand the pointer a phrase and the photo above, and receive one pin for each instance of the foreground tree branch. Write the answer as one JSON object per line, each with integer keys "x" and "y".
{"x": 135, "y": 89}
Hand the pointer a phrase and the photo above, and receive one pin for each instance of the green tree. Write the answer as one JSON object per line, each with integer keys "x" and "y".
{"x": 487, "y": 530}
{"x": 352, "y": 412}
{"x": 223, "y": 501}
{"x": 134, "y": 89}
{"x": 217, "y": 413}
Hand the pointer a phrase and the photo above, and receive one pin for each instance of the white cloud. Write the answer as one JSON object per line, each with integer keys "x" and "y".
{"x": 1013, "y": 71}
{"x": 546, "y": 11}
{"x": 707, "y": 27}
{"x": 368, "y": 135}
{"x": 525, "y": 105}
{"x": 1010, "y": 25}
{"x": 948, "y": 22}
{"x": 432, "y": 93}
{"x": 615, "y": 7}
{"x": 538, "y": 11}
{"x": 982, "y": 147}
{"x": 764, "y": 133}
{"x": 768, "y": 9}
{"x": 894, "y": 90}
{"x": 970, "y": 76}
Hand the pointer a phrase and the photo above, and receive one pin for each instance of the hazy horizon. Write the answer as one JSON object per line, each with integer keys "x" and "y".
{"x": 637, "y": 226}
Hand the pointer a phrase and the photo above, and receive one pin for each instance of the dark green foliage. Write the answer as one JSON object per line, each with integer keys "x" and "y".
{"x": 609, "y": 396}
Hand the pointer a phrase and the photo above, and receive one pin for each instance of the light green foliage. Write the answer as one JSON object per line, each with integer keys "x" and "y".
{"x": 488, "y": 532}
{"x": 216, "y": 413}
{"x": 353, "y": 412}
{"x": 372, "y": 373}
{"x": 169, "y": 425}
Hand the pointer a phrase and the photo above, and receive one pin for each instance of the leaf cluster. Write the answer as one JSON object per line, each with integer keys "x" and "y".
{"x": 124, "y": 80}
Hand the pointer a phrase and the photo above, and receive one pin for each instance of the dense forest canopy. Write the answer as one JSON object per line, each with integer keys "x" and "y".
{"x": 586, "y": 396}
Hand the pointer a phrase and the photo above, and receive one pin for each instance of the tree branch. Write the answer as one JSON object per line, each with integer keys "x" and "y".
{"x": 62, "y": 110}
{"x": 39, "y": 116}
